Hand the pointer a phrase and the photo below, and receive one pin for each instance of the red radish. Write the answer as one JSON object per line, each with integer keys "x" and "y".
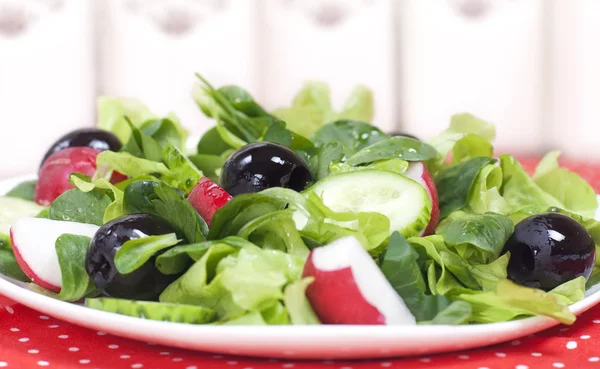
{"x": 349, "y": 288}
{"x": 207, "y": 197}
{"x": 57, "y": 169}
{"x": 418, "y": 172}
{"x": 34, "y": 240}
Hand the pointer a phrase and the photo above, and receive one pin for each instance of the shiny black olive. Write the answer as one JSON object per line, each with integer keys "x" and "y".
{"x": 395, "y": 134}
{"x": 263, "y": 165}
{"x": 144, "y": 283}
{"x": 549, "y": 249}
{"x": 91, "y": 137}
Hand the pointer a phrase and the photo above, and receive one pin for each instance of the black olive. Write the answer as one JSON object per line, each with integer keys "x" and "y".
{"x": 144, "y": 283}
{"x": 547, "y": 250}
{"x": 263, "y": 165}
{"x": 91, "y": 137}
{"x": 395, "y": 134}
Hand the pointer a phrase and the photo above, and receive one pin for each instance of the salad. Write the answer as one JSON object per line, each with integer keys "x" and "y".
{"x": 303, "y": 215}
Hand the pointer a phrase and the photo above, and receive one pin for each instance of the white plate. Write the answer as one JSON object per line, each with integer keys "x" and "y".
{"x": 309, "y": 342}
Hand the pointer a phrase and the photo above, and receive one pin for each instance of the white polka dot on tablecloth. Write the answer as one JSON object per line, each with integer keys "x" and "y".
{"x": 232, "y": 362}
{"x": 463, "y": 357}
{"x": 14, "y": 329}
{"x": 124, "y": 356}
{"x": 24, "y": 339}
{"x": 84, "y": 361}
{"x": 43, "y": 363}
{"x": 192, "y": 367}
{"x": 585, "y": 337}
{"x": 500, "y": 354}
{"x": 558, "y": 365}
{"x": 73, "y": 349}
{"x": 33, "y": 351}
{"x": 515, "y": 343}
{"x": 248, "y": 367}
{"x": 483, "y": 367}
{"x": 3, "y": 364}
{"x": 594, "y": 359}
{"x": 386, "y": 364}
{"x": 288, "y": 365}
{"x": 137, "y": 365}
{"x": 10, "y": 310}
{"x": 165, "y": 353}
{"x": 521, "y": 366}
{"x": 177, "y": 359}
{"x": 571, "y": 345}
{"x": 536, "y": 354}
{"x": 113, "y": 346}
{"x": 596, "y": 321}
{"x": 101, "y": 333}
{"x": 425, "y": 360}
{"x": 53, "y": 326}
{"x": 63, "y": 336}
{"x": 44, "y": 317}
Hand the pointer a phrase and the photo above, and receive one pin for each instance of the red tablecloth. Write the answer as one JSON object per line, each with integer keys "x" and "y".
{"x": 31, "y": 340}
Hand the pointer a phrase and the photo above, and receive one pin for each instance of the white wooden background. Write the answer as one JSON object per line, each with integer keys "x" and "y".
{"x": 530, "y": 66}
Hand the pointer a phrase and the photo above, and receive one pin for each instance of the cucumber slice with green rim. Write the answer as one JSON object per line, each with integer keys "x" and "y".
{"x": 12, "y": 208}
{"x": 177, "y": 313}
{"x": 404, "y": 201}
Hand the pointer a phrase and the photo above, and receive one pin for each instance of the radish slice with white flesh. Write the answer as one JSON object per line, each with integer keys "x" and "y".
{"x": 349, "y": 288}
{"x": 418, "y": 172}
{"x": 34, "y": 246}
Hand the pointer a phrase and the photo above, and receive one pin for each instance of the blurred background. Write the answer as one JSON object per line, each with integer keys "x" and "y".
{"x": 529, "y": 66}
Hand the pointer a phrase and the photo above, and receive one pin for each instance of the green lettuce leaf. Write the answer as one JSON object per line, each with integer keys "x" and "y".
{"x": 461, "y": 125}
{"x": 8, "y": 264}
{"x": 471, "y": 146}
{"x": 458, "y": 312}
{"x": 297, "y": 304}
{"x": 570, "y": 292}
{"x": 129, "y": 165}
{"x": 24, "y": 190}
{"x": 72, "y": 251}
{"x": 485, "y": 192}
{"x": 82, "y": 207}
{"x": 183, "y": 171}
{"x": 404, "y": 148}
{"x": 567, "y": 187}
{"x": 352, "y": 135}
{"x": 520, "y": 190}
{"x": 476, "y": 237}
{"x": 510, "y": 301}
{"x": 134, "y": 253}
{"x": 160, "y": 199}
{"x": 455, "y": 184}
{"x": 12, "y": 208}
{"x": 115, "y": 209}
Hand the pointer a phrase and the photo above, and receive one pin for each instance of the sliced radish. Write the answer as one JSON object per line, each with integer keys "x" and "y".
{"x": 417, "y": 171}
{"x": 34, "y": 240}
{"x": 58, "y": 167}
{"x": 349, "y": 288}
{"x": 404, "y": 201}
{"x": 207, "y": 197}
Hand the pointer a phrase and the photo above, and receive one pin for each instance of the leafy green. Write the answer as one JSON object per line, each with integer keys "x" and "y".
{"x": 115, "y": 209}
{"x": 327, "y": 154}
{"x": 461, "y": 125}
{"x": 298, "y": 306}
{"x": 274, "y": 313}
{"x": 175, "y": 260}
{"x": 399, "y": 265}
{"x": 458, "y": 312}
{"x": 510, "y": 301}
{"x": 82, "y": 207}
{"x": 135, "y": 252}
{"x": 211, "y": 143}
{"x": 277, "y": 133}
{"x": 72, "y": 251}
{"x": 142, "y": 145}
{"x": 567, "y": 187}
{"x": 160, "y": 199}
{"x": 404, "y": 148}
{"x": 165, "y": 131}
{"x": 24, "y": 190}
{"x": 392, "y": 165}
{"x": 570, "y": 292}
{"x": 112, "y": 113}
{"x": 235, "y": 282}
{"x": 471, "y": 146}
{"x": 183, "y": 170}
{"x": 352, "y": 135}
{"x": 455, "y": 183}
{"x": 485, "y": 192}
{"x": 520, "y": 190}
{"x": 127, "y": 164}
{"x": 311, "y": 108}
{"x": 476, "y": 237}
{"x": 210, "y": 165}
{"x": 8, "y": 264}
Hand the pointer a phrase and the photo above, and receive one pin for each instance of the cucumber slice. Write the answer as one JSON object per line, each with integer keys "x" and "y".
{"x": 12, "y": 208}
{"x": 404, "y": 201}
{"x": 177, "y": 313}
